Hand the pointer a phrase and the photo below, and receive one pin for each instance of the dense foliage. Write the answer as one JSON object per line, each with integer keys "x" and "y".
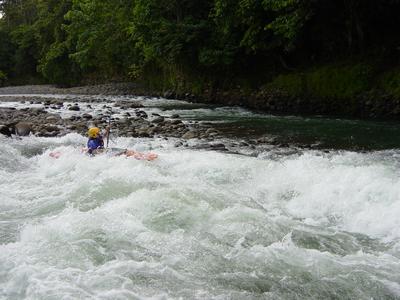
{"x": 66, "y": 41}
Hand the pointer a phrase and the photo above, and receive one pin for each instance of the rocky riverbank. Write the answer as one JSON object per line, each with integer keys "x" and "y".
{"x": 49, "y": 114}
{"x": 371, "y": 105}
{"x": 47, "y": 111}
{"x": 136, "y": 123}
{"x": 368, "y": 105}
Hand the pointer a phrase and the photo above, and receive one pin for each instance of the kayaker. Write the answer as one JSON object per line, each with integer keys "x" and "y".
{"x": 95, "y": 142}
{"x": 95, "y": 145}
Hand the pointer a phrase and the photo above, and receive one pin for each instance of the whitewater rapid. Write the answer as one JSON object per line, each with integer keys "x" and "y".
{"x": 196, "y": 224}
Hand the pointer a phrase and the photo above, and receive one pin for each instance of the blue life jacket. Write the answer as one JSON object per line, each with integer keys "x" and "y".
{"x": 96, "y": 143}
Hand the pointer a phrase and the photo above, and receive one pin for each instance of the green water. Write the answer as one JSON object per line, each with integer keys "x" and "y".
{"x": 321, "y": 132}
{"x": 316, "y": 131}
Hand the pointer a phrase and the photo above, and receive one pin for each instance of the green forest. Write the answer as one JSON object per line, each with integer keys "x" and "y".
{"x": 324, "y": 48}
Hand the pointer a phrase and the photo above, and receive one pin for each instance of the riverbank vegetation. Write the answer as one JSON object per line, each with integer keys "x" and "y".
{"x": 313, "y": 48}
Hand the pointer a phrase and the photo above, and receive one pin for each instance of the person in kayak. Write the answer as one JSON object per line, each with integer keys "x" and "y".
{"x": 95, "y": 142}
{"x": 95, "y": 145}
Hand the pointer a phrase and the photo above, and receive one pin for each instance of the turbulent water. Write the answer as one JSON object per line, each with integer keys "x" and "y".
{"x": 197, "y": 224}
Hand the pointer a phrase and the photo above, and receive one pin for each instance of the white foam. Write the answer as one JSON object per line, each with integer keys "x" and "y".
{"x": 195, "y": 223}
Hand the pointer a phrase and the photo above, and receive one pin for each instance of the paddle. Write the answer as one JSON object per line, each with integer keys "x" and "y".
{"x": 109, "y": 131}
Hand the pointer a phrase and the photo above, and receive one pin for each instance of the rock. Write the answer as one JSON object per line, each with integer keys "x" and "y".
{"x": 158, "y": 120}
{"x": 36, "y": 110}
{"x": 87, "y": 116}
{"x": 218, "y": 146}
{"x": 7, "y": 130}
{"x": 23, "y": 128}
{"x": 53, "y": 118}
{"x": 151, "y": 131}
{"x": 189, "y": 135}
{"x": 174, "y": 116}
{"x": 74, "y": 108}
{"x": 142, "y": 133}
{"x": 178, "y": 144}
{"x": 142, "y": 114}
{"x": 48, "y": 133}
{"x": 211, "y": 130}
{"x": 176, "y": 122}
{"x": 135, "y": 105}
{"x": 50, "y": 127}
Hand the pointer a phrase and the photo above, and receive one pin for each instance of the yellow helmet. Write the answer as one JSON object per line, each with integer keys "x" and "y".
{"x": 93, "y": 132}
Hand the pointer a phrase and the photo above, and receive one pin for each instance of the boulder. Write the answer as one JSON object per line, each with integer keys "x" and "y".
{"x": 7, "y": 130}
{"x": 53, "y": 118}
{"x": 189, "y": 135}
{"x": 158, "y": 120}
{"x": 23, "y": 128}
{"x": 87, "y": 116}
{"x": 135, "y": 105}
{"x": 51, "y": 128}
{"x": 176, "y": 121}
{"x": 74, "y": 108}
{"x": 36, "y": 110}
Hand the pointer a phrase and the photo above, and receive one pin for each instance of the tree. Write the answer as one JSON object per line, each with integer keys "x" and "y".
{"x": 99, "y": 31}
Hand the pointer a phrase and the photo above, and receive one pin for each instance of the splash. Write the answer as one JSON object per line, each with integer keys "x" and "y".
{"x": 196, "y": 224}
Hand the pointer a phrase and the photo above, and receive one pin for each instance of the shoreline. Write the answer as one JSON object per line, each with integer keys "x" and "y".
{"x": 48, "y": 111}
{"x": 366, "y": 106}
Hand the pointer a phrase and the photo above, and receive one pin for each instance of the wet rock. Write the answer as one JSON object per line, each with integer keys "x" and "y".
{"x": 50, "y": 127}
{"x": 174, "y": 116}
{"x": 135, "y": 105}
{"x": 53, "y": 118}
{"x": 211, "y": 131}
{"x": 158, "y": 120}
{"x": 218, "y": 146}
{"x": 142, "y": 114}
{"x": 87, "y": 116}
{"x": 189, "y": 135}
{"x": 36, "y": 110}
{"x": 176, "y": 122}
{"x": 7, "y": 130}
{"x": 23, "y": 128}
{"x": 48, "y": 133}
{"x": 178, "y": 144}
{"x": 142, "y": 133}
{"x": 74, "y": 108}
{"x": 151, "y": 131}
{"x": 71, "y": 127}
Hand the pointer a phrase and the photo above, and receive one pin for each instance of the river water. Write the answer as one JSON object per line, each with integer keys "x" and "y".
{"x": 317, "y": 223}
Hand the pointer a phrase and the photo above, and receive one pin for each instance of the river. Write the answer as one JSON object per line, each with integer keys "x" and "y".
{"x": 314, "y": 215}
